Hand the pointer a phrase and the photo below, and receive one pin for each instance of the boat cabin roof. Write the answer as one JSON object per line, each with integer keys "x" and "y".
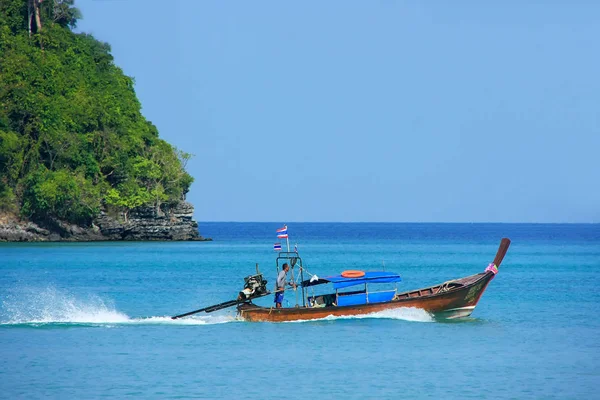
{"x": 340, "y": 282}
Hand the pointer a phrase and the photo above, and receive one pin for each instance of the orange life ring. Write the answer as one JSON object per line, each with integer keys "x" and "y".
{"x": 353, "y": 274}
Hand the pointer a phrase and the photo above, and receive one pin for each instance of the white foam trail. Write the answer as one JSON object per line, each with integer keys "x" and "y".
{"x": 404, "y": 313}
{"x": 52, "y": 306}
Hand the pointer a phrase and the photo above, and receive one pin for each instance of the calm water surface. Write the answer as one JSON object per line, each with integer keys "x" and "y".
{"x": 91, "y": 320}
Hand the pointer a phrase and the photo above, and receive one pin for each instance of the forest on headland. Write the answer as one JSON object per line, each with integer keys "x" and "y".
{"x": 73, "y": 140}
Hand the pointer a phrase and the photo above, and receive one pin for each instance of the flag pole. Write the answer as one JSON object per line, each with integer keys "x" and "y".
{"x": 287, "y": 240}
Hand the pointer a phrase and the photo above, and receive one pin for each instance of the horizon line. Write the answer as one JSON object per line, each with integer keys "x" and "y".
{"x": 394, "y": 222}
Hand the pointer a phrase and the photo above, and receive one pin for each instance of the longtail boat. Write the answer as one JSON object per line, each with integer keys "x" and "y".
{"x": 452, "y": 299}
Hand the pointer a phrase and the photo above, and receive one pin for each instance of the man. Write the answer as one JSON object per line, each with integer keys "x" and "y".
{"x": 280, "y": 285}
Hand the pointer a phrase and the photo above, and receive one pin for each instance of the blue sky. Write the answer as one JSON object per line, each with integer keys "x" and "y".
{"x": 391, "y": 111}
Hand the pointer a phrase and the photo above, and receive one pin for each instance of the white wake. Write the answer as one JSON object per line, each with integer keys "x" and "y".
{"x": 404, "y": 313}
{"x": 53, "y": 306}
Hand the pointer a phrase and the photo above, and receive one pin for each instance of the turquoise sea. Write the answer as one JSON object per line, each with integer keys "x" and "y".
{"x": 90, "y": 320}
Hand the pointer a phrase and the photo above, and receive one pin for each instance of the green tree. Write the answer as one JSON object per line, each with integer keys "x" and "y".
{"x": 72, "y": 136}
{"x": 61, "y": 194}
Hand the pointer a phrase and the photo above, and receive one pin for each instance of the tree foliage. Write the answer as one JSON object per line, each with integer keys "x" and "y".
{"x": 72, "y": 136}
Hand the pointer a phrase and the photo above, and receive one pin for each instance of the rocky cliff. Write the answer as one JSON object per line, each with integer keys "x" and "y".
{"x": 143, "y": 223}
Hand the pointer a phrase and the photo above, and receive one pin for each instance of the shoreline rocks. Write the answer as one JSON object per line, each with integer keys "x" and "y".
{"x": 142, "y": 224}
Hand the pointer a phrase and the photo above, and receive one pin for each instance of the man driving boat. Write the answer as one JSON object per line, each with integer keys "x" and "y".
{"x": 280, "y": 285}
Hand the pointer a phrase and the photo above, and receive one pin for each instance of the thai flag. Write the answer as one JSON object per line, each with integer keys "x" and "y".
{"x": 282, "y": 232}
{"x": 277, "y": 247}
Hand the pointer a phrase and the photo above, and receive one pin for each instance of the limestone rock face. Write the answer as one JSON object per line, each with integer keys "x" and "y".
{"x": 149, "y": 223}
{"x": 142, "y": 223}
{"x": 13, "y": 230}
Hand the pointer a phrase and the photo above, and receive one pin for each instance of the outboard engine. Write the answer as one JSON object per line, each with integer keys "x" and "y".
{"x": 254, "y": 285}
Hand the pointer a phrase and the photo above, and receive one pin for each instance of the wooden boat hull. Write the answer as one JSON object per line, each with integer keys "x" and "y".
{"x": 452, "y": 299}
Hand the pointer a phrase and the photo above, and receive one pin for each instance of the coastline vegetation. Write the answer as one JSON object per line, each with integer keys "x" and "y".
{"x": 72, "y": 136}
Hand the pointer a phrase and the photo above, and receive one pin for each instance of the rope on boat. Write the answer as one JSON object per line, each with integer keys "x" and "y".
{"x": 443, "y": 287}
{"x": 305, "y": 270}
{"x": 311, "y": 287}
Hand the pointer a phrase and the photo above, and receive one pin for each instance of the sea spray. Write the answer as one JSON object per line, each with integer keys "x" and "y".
{"x": 52, "y": 305}
{"x": 49, "y": 305}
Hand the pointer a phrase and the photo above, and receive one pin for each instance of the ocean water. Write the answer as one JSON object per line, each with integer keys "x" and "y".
{"x": 91, "y": 320}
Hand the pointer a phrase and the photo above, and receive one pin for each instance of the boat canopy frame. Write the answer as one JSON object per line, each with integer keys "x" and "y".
{"x": 294, "y": 259}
